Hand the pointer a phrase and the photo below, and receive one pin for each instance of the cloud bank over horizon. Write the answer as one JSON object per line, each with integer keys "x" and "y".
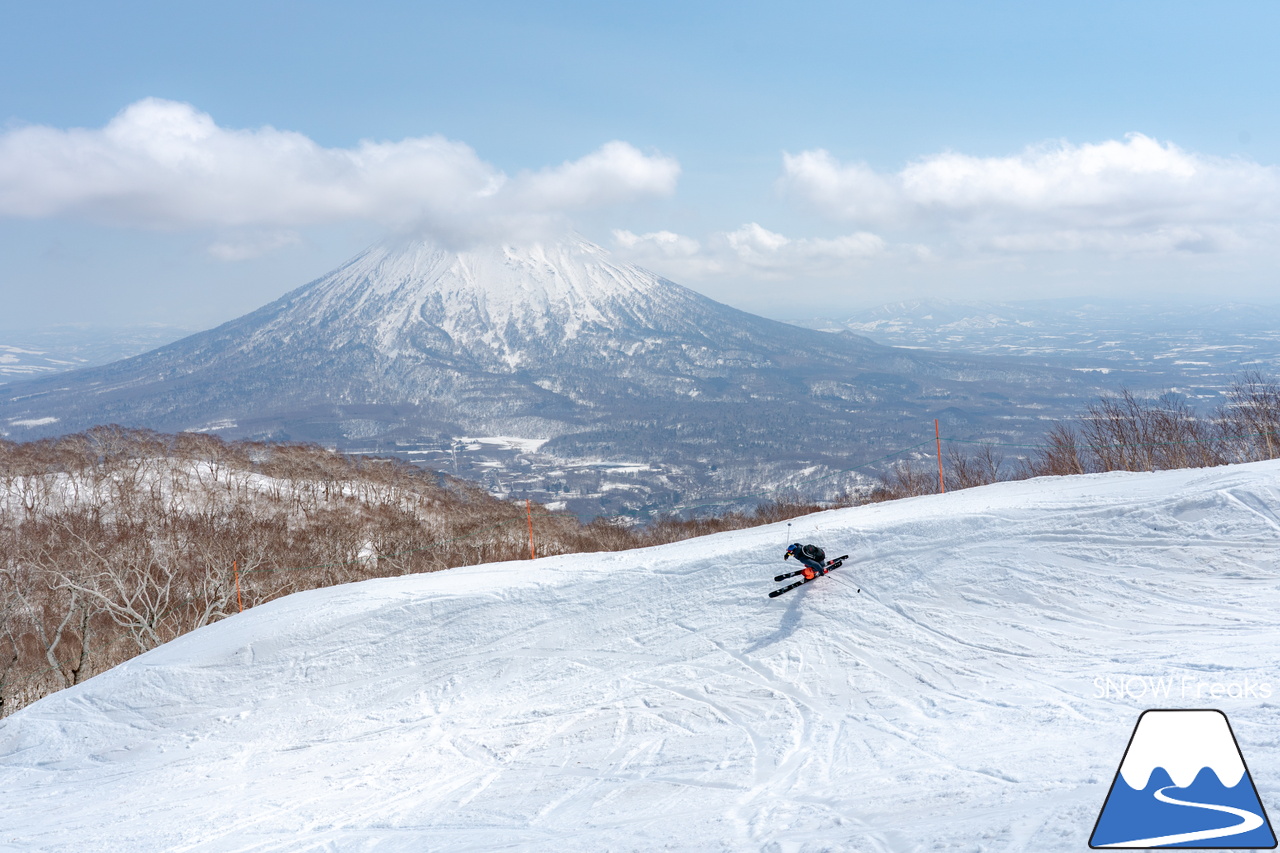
{"x": 1137, "y": 195}
{"x": 752, "y": 251}
{"x": 164, "y": 165}
{"x": 1113, "y": 203}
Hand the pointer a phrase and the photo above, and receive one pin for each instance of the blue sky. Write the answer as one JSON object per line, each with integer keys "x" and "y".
{"x": 184, "y": 163}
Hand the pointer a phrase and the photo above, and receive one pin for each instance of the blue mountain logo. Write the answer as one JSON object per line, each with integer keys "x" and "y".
{"x": 1183, "y": 783}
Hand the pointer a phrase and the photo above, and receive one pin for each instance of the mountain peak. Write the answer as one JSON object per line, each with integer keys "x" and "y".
{"x": 502, "y": 306}
{"x": 565, "y": 284}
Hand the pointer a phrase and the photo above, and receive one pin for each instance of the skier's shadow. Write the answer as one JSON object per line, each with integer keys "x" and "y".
{"x": 786, "y": 626}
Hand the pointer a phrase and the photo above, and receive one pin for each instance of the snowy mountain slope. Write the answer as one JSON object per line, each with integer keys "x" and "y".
{"x": 657, "y": 699}
{"x": 408, "y": 347}
{"x": 550, "y": 335}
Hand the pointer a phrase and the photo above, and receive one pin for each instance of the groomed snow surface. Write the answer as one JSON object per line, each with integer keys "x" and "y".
{"x": 658, "y": 700}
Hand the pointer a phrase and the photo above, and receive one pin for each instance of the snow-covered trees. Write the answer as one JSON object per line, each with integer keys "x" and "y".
{"x": 114, "y": 541}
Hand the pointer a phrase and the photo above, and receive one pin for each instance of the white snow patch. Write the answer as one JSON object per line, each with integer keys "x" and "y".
{"x": 520, "y": 445}
{"x": 33, "y": 422}
{"x": 214, "y": 426}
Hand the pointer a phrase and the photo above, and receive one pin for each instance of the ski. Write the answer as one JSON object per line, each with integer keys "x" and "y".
{"x": 831, "y": 566}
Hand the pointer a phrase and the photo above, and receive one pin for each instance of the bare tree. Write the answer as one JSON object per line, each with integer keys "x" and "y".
{"x": 58, "y": 623}
{"x": 904, "y": 480}
{"x": 10, "y": 652}
{"x": 1251, "y": 418}
{"x": 1061, "y": 455}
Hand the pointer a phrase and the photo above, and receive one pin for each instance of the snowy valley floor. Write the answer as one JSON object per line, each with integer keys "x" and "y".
{"x": 657, "y": 699}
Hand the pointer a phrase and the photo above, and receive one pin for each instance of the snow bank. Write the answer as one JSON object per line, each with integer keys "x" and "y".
{"x": 977, "y": 694}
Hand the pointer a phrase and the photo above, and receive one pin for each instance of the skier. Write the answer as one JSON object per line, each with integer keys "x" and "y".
{"x": 815, "y": 563}
{"x": 813, "y": 558}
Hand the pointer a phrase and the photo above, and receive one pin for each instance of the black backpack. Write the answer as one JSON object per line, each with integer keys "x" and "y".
{"x": 813, "y": 552}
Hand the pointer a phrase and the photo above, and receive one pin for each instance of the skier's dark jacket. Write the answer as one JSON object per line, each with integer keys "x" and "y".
{"x": 808, "y": 555}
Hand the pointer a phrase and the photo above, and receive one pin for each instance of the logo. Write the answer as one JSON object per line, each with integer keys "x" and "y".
{"x": 1183, "y": 783}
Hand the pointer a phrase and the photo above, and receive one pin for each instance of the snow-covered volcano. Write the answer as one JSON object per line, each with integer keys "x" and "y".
{"x": 500, "y": 308}
{"x": 411, "y": 344}
{"x": 976, "y": 694}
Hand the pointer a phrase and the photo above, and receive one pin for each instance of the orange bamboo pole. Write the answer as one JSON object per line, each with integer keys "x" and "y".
{"x": 235, "y": 567}
{"x": 528, "y": 508}
{"x": 937, "y": 435}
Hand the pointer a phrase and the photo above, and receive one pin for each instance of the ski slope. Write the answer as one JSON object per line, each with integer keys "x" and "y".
{"x": 658, "y": 700}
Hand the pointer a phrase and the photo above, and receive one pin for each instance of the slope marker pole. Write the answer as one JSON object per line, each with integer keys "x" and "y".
{"x": 528, "y": 508}
{"x": 942, "y": 486}
{"x": 235, "y": 567}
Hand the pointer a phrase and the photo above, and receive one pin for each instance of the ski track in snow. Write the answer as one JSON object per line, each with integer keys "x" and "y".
{"x": 657, "y": 699}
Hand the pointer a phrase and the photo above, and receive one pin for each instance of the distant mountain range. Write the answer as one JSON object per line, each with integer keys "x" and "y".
{"x": 413, "y": 349}
{"x": 54, "y": 349}
{"x": 1075, "y": 313}
{"x": 1194, "y": 349}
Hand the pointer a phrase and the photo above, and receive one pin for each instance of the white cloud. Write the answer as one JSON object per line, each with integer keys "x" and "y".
{"x": 615, "y": 173}
{"x": 166, "y": 165}
{"x": 661, "y": 243}
{"x": 750, "y": 250}
{"x": 1138, "y": 194}
{"x": 765, "y": 250}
